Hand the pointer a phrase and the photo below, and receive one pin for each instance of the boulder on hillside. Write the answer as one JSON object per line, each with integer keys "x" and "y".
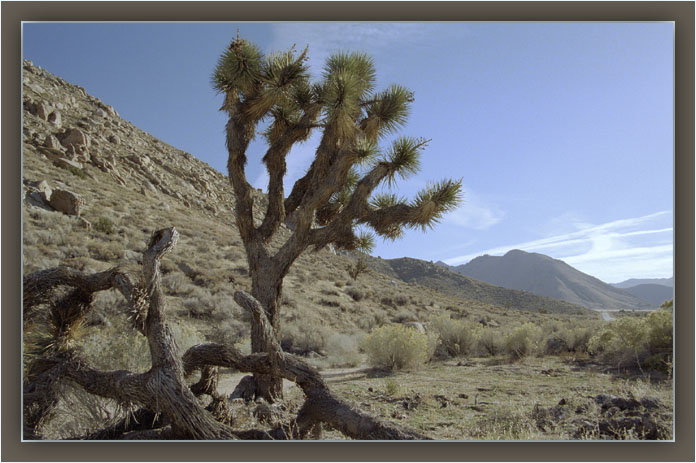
{"x": 59, "y": 158}
{"x": 44, "y": 190}
{"x": 148, "y": 188}
{"x": 40, "y": 109}
{"x": 55, "y": 118}
{"x": 99, "y": 113}
{"x": 38, "y": 193}
{"x": 73, "y": 137}
{"x": 52, "y": 142}
{"x": 66, "y": 202}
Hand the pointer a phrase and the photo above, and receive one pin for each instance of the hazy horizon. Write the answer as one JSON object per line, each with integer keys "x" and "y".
{"x": 561, "y": 132}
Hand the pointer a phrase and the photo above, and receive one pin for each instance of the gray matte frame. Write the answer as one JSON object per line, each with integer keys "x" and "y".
{"x": 682, "y": 12}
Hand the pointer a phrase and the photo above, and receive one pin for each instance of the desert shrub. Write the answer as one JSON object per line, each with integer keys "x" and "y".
{"x": 400, "y": 301}
{"x": 523, "y": 341}
{"x": 77, "y": 172}
{"x": 660, "y": 330}
{"x": 185, "y": 336}
{"x": 107, "y": 304}
{"x": 555, "y": 344}
{"x": 396, "y": 347}
{"x": 358, "y": 268}
{"x": 391, "y": 387}
{"x": 569, "y": 337}
{"x": 404, "y": 315}
{"x": 329, "y": 303}
{"x": 505, "y": 424}
{"x": 201, "y": 308}
{"x": 229, "y": 331}
{"x": 288, "y": 301}
{"x": 104, "y": 225}
{"x": 115, "y": 347}
{"x": 298, "y": 338}
{"x": 79, "y": 413}
{"x": 342, "y": 350}
{"x": 369, "y": 320}
{"x": 174, "y": 282}
{"x": 457, "y": 337}
{"x": 355, "y": 293}
{"x": 490, "y": 341}
{"x": 632, "y": 341}
{"x": 620, "y": 342}
{"x": 106, "y": 252}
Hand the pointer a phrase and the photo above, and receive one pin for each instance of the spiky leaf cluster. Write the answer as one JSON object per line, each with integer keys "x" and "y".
{"x": 436, "y": 200}
{"x": 239, "y": 68}
{"x": 354, "y": 117}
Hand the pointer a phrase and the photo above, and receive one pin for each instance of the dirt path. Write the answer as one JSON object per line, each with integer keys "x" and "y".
{"x": 228, "y": 381}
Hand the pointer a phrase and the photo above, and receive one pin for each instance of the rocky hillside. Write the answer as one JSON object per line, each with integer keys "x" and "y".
{"x": 96, "y": 186}
{"x": 549, "y": 277}
{"x": 449, "y": 282}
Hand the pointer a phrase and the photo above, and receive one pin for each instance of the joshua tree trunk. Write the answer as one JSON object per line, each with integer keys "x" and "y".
{"x": 336, "y": 193}
{"x": 267, "y": 289}
{"x": 168, "y": 407}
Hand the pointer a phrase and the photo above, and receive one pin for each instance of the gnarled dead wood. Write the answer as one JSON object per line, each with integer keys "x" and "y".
{"x": 38, "y": 287}
{"x": 170, "y": 409}
{"x": 162, "y": 387}
{"x": 320, "y": 407}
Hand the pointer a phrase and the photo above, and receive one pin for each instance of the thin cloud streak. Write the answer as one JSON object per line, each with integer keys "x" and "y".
{"x": 475, "y": 213}
{"x": 604, "y": 250}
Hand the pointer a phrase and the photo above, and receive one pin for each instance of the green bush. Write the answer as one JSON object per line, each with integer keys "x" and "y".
{"x": 342, "y": 350}
{"x": 116, "y": 347}
{"x": 523, "y": 341}
{"x": 396, "y": 347}
{"x": 77, "y": 172}
{"x": 105, "y": 225}
{"x": 301, "y": 339}
{"x": 633, "y": 341}
{"x": 490, "y": 342}
{"x": 355, "y": 293}
{"x": 391, "y": 387}
{"x": 457, "y": 337}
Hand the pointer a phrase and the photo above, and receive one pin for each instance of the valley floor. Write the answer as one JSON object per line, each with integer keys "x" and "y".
{"x": 546, "y": 398}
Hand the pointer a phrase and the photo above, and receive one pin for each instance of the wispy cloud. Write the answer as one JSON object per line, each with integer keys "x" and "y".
{"x": 326, "y": 38}
{"x": 639, "y": 247}
{"x": 475, "y": 213}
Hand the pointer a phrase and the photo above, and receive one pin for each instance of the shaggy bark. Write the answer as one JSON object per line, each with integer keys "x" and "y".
{"x": 170, "y": 409}
{"x": 320, "y": 407}
{"x": 162, "y": 387}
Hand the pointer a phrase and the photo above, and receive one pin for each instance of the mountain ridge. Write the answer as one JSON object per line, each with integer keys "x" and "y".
{"x": 644, "y": 281}
{"x": 544, "y": 275}
{"x": 124, "y": 183}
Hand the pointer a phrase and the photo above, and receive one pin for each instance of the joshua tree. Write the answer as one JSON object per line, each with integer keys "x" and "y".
{"x": 337, "y": 194}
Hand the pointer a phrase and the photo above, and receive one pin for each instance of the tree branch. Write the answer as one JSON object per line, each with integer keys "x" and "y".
{"x": 276, "y": 167}
{"x": 321, "y": 405}
{"x": 38, "y": 286}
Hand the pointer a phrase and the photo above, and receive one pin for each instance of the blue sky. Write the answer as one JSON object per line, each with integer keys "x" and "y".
{"x": 561, "y": 132}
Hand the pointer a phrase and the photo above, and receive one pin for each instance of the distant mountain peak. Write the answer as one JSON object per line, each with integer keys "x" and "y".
{"x": 546, "y": 276}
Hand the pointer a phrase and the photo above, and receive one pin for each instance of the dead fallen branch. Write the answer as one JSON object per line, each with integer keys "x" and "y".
{"x": 167, "y": 408}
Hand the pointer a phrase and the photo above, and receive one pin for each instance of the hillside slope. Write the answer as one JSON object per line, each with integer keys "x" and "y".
{"x": 645, "y": 281}
{"x": 449, "y": 282}
{"x": 549, "y": 277}
{"x": 130, "y": 183}
{"x": 653, "y": 293}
